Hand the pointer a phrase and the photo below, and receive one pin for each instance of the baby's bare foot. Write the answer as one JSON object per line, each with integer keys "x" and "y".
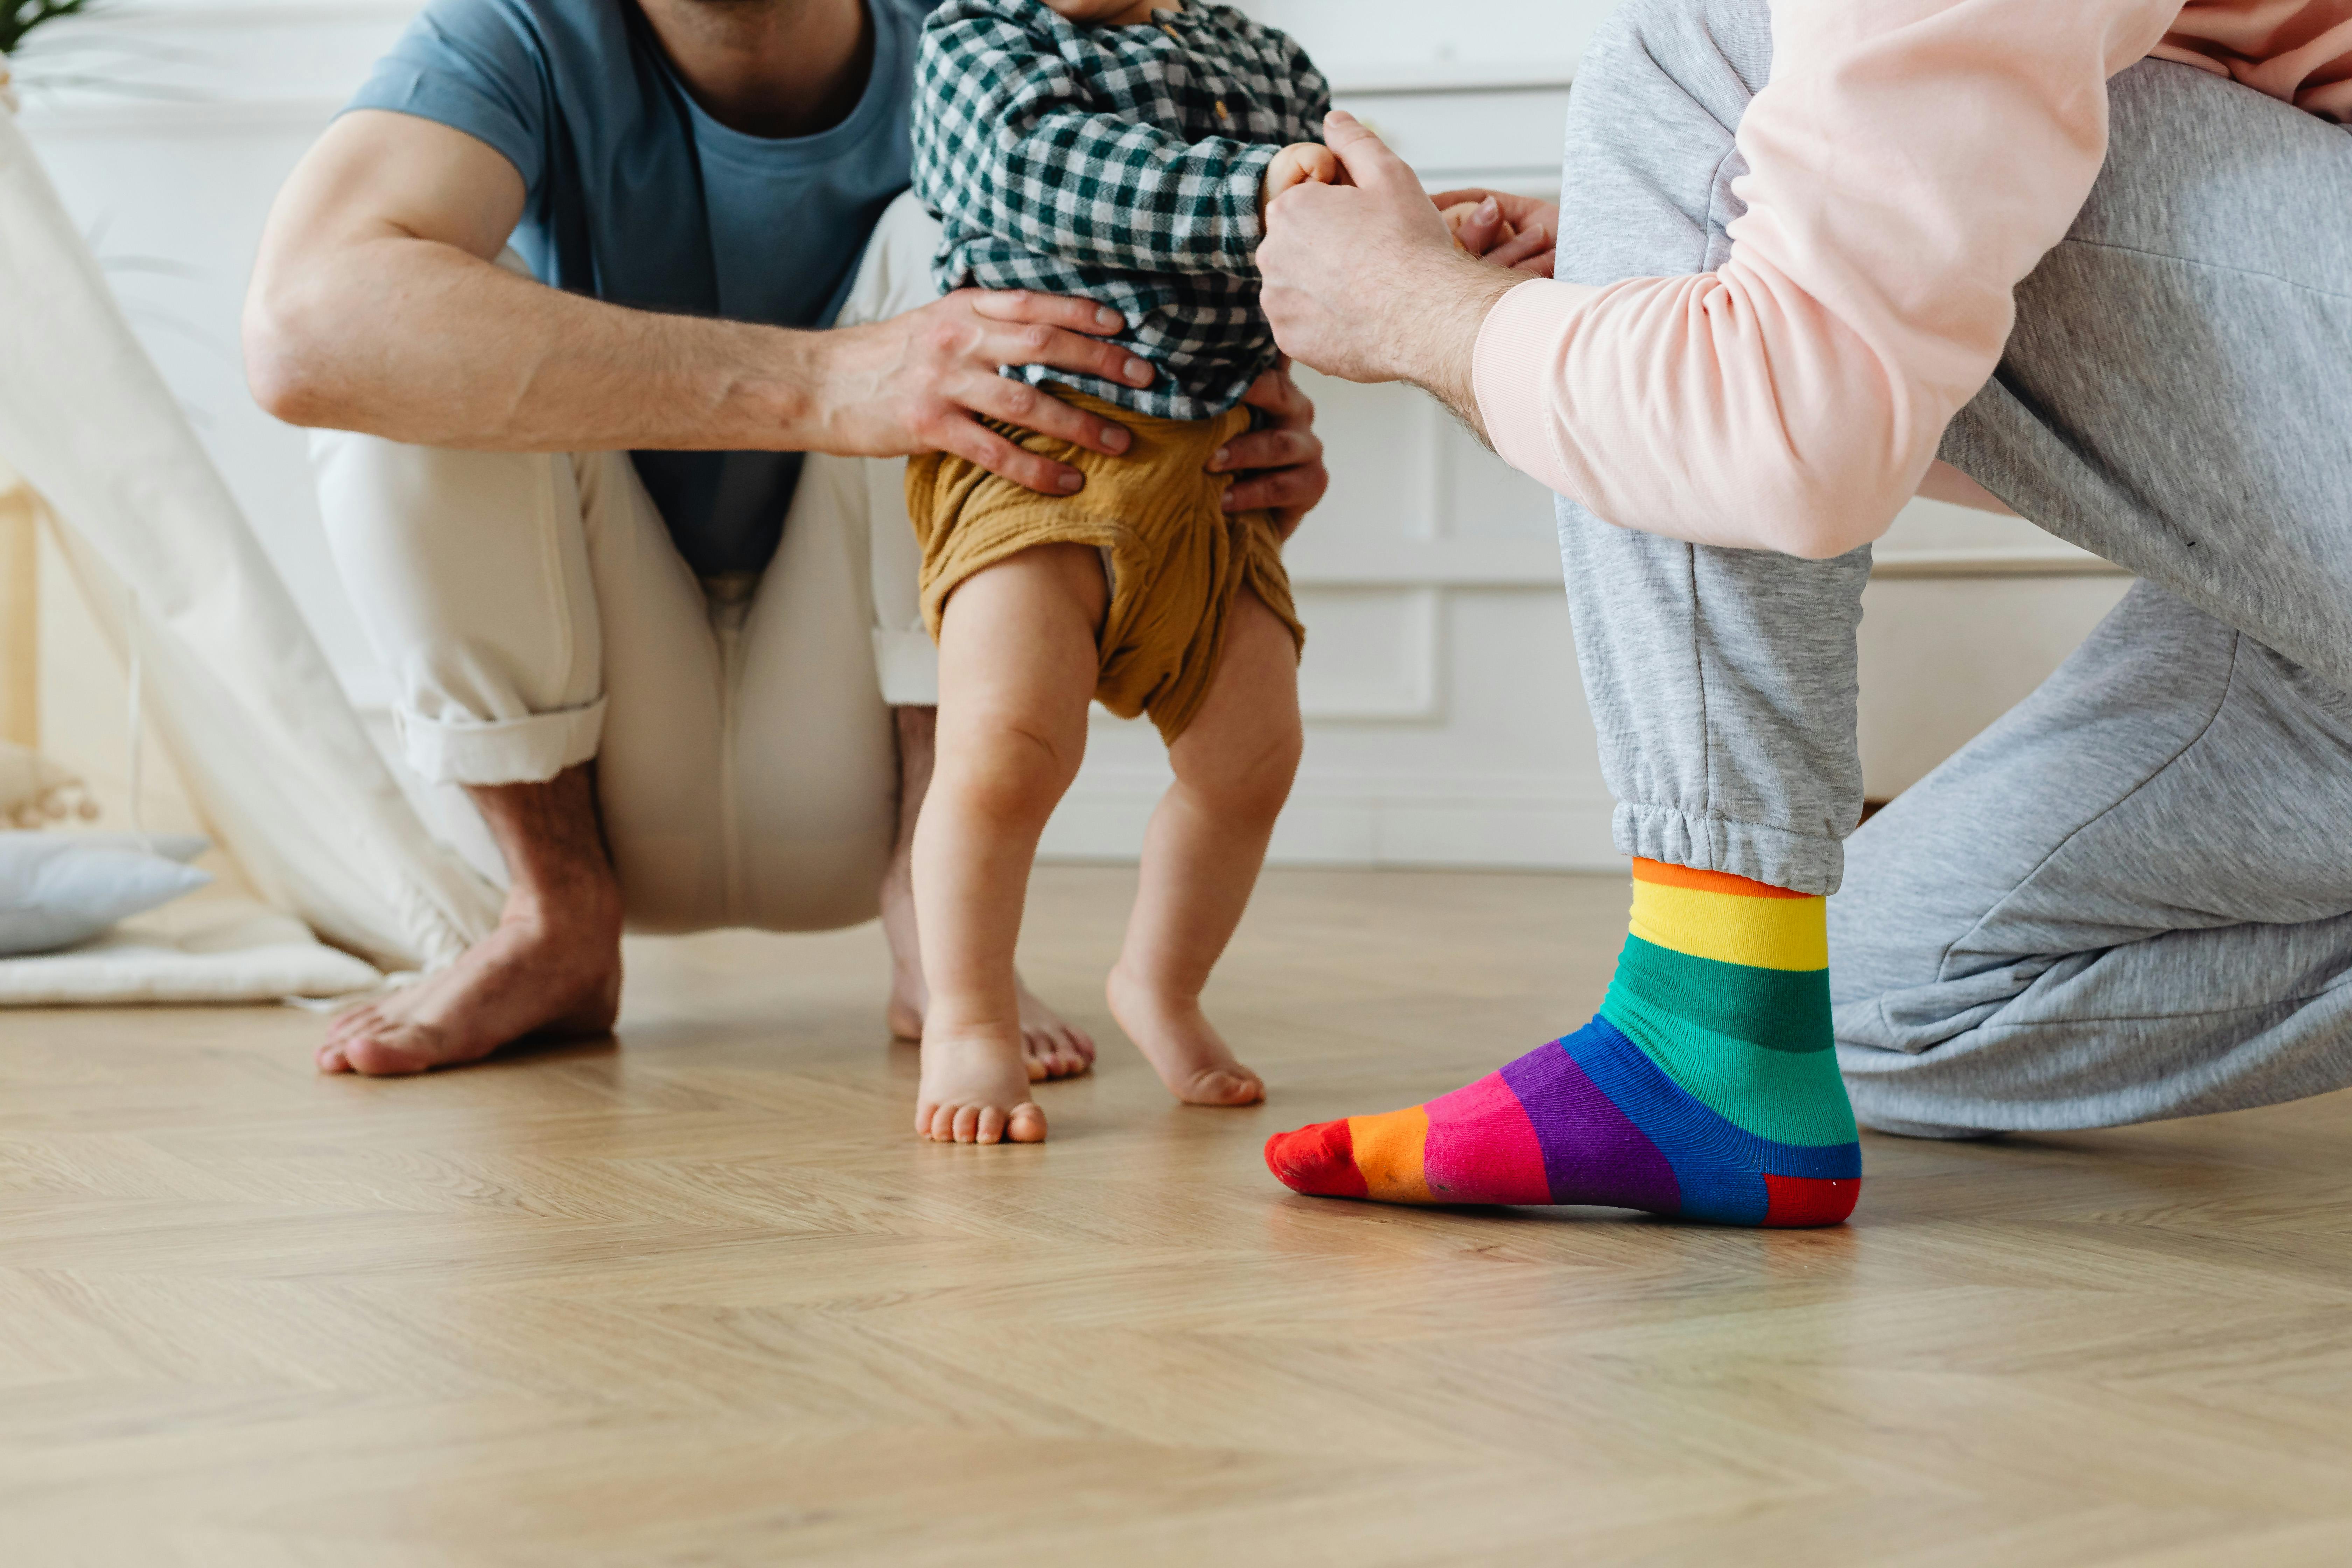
{"x": 1053, "y": 1046}
{"x": 975, "y": 1088}
{"x": 1181, "y": 1045}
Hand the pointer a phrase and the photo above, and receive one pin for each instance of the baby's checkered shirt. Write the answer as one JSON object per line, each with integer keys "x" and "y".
{"x": 1119, "y": 164}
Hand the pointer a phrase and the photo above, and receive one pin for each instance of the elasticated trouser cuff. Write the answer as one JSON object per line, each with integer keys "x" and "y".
{"x": 1777, "y": 857}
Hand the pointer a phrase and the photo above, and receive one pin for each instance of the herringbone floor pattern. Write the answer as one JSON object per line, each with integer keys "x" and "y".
{"x": 697, "y": 1297}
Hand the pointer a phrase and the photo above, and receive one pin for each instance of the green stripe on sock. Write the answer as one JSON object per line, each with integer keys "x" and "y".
{"x": 1751, "y": 1045}
{"x": 1777, "y": 1009}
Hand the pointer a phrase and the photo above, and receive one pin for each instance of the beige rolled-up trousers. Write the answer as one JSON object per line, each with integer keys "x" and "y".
{"x": 532, "y": 614}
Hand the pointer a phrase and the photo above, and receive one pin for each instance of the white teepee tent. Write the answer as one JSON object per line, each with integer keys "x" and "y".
{"x": 235, "y": 685}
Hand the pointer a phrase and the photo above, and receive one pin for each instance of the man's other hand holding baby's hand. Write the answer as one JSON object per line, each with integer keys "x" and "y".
{"x": 1366, "y": 281}
{"x": 1301, "y": 163}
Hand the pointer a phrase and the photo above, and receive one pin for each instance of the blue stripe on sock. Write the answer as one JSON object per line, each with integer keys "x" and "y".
{"x": 1719, "y": 1166}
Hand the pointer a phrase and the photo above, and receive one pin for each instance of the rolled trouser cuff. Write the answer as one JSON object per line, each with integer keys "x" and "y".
{"x": 1777, "y": 857}
{"x": 512, "y": 751}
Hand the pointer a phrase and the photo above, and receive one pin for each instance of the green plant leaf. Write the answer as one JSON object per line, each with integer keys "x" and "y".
{"x": 18, "y": 17}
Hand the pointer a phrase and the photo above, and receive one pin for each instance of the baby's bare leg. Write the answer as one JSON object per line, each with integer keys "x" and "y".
{"x": 1234, "y": 766}
{"x": 1017, "y": 666}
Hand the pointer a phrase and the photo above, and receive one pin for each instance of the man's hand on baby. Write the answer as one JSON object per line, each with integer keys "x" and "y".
{"x": 923, "y": 381}
{"x": 1301, "y": 163}
{"x": 1280, "y": 467}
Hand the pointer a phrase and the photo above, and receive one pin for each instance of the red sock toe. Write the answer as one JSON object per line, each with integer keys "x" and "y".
{"x": 1318, "y": 1160}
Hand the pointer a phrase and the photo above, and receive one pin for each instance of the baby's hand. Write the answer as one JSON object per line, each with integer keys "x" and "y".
{"x": 1298, "y": 165}
{"x": 1460, "y": 213}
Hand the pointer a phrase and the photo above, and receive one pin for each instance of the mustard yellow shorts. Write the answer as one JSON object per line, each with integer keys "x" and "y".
{"x": 1177, "y": 558}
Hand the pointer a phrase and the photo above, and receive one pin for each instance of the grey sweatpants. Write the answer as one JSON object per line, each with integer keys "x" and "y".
{"x": 2132, "y": 897}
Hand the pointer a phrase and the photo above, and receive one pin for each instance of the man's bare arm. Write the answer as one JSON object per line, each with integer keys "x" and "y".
{"x": 376, "y": 306}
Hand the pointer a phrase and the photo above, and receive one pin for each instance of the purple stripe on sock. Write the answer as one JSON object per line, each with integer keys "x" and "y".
{"x": 1592, "y": 1154}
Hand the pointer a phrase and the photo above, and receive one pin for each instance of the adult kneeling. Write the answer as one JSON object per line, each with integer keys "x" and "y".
{"x": 1806, "y": 249}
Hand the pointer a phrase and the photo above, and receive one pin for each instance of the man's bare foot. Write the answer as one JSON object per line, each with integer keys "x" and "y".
{"x": 537, "y": 974}
{"x": 1177, "y": 1038}
{"x": 1050, "y": 1045}
{"x": 975, "y": 1090}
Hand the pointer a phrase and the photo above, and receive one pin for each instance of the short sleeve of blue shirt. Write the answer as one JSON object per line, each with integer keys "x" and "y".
{"x": 477, "y": 66}
{"x": 638, "y": 197}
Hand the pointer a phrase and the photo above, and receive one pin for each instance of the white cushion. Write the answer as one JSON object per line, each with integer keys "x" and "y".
{"x": 211, "y": 949}
{"x": 60, "y": 888}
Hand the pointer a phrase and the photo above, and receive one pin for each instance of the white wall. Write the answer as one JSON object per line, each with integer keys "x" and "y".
{"x": 1446, "y": 722}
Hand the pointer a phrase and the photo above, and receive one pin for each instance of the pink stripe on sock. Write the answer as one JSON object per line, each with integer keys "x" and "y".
{"x": 1482, "y": 1148}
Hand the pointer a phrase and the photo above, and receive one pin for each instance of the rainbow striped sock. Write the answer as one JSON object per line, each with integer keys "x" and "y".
{"x": 1707, "y": 1088}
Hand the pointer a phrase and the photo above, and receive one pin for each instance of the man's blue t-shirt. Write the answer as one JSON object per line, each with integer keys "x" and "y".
{"x": 639, "y": 197}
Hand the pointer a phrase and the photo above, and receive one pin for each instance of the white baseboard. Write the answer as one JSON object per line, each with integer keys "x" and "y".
{"x": 1366, "y": 822}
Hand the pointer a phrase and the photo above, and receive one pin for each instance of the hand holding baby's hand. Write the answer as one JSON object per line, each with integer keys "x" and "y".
{"x": 1300, "y": 163}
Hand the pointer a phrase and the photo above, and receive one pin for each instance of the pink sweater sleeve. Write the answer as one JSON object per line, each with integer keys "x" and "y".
{"x": 1908, "y": 162}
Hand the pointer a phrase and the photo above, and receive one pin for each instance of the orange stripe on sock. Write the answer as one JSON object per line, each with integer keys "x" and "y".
{"x": 1388, "y": 1151}
{"x": 1709, "y": 881}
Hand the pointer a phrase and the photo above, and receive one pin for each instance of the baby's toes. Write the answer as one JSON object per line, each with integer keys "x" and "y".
{"x": 1027, "y": 1124}
{"x": 991, "y": 1125}
{"x": 1222, "y": 1086}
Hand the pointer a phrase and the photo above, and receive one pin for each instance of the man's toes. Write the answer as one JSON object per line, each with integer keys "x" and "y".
{"x": 375, "y": 1056}
{"x": 357, "y": 1020}
{"x": 1027, "y": 1124}
{"x": 363, "y": 1056}
{"x": 1047, "y": 1054}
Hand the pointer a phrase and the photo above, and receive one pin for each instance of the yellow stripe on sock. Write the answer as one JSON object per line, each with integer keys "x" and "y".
{"x": 1389, "y": 1153}
{"x": 1764, "y": 933}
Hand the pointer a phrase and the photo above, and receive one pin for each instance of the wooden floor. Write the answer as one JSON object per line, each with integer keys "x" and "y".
{"x": 698, "y": 1297}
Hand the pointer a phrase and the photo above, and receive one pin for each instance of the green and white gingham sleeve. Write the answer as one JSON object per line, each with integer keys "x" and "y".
{"x": 1010, "y": 141}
